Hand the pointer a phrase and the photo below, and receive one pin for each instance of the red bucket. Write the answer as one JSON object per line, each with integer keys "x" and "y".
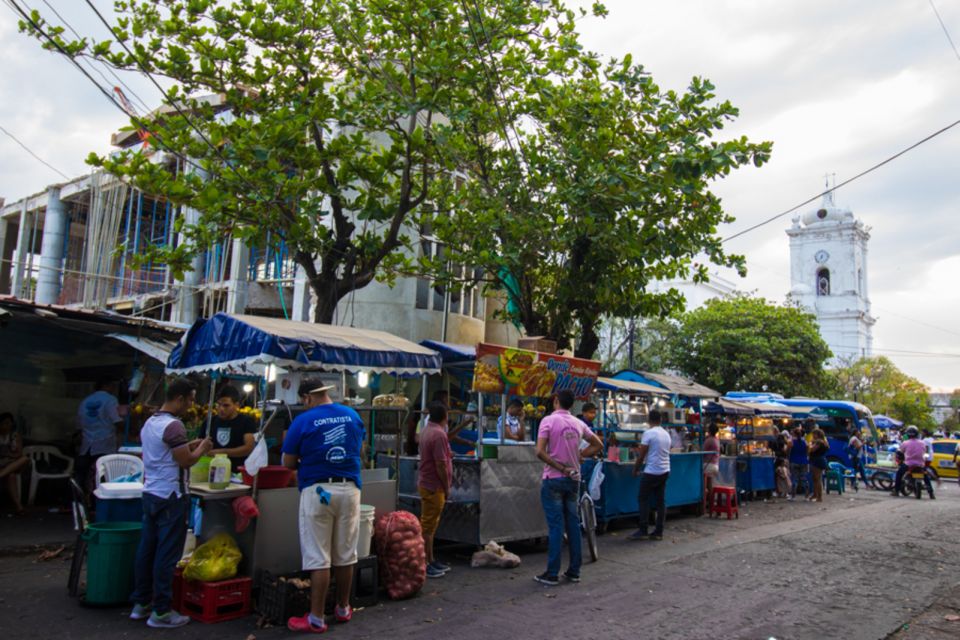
{"x": 271, "y": 477}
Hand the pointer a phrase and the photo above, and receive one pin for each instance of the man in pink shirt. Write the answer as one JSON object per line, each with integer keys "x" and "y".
{"x": 558, "y": 445}
{"x": 913, "y": 449}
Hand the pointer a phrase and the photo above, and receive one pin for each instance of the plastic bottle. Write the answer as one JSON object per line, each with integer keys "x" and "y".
{"x": 220, "y": 469}
{"x": 189, "y": 545}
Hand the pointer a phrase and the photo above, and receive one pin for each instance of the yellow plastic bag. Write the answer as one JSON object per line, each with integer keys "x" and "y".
{"x": 216, "y": 559}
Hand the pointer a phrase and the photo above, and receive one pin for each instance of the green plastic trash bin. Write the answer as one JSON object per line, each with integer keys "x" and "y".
{"x": 111, "y": 556}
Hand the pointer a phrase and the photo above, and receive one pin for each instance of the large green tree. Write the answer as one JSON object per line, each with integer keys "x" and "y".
{"x": 602, "y": 187}
{"x": 745, "y": 343}
{"x": 336, "y": 116}
{"x": 878, "y": 383}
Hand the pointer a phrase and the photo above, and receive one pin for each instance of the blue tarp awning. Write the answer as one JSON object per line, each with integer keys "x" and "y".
{"x": 886, "y": 422}
{"x": 237, "y": 342}
{"x": 450, "y": 352}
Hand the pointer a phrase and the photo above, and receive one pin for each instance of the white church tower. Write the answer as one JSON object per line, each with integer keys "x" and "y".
{"x": 828, "y": 273}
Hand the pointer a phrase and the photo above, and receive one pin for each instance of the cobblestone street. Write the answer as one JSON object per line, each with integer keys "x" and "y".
{"x": 861, "y": 566}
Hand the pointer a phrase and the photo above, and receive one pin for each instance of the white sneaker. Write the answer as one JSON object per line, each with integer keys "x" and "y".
{"x": 169, "y": 620}
{"x": 140, "y": 612}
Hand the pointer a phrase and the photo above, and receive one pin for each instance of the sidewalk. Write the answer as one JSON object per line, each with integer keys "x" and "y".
{"x": 36, "y": 530}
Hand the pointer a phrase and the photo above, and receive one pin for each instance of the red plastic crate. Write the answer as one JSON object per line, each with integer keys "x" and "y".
{"x": 211, "y": 602}
{"x": 178, "y": 581}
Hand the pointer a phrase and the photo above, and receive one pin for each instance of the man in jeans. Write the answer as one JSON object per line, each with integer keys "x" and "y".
{"x": 434, "y": 480}
{"x": 99, "y": 422}
{"x": 166, "y": 501}
{"x": 799, "y": 463}
{"x": 558, "y": 445}
{"x": 654, "y": 454}
{"x": 324, "y": 446}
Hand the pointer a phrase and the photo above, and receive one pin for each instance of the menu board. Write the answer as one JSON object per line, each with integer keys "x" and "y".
{"x": 530, "y": 373}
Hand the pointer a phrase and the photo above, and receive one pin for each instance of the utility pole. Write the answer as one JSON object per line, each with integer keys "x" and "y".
{"x": 630, "y": 335}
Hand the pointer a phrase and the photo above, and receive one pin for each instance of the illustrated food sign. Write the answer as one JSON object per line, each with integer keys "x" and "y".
{"x": 531, "y": 374}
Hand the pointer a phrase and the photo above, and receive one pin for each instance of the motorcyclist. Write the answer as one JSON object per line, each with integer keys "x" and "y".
{"x": 913, "y": 457}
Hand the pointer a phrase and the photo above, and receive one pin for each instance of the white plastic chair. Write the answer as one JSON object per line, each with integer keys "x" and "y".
{"x": 118, "y": 465}
{"x": 44, "y": 453}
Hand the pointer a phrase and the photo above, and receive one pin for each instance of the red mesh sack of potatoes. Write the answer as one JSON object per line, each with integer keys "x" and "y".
{"x": 403, "y": 561}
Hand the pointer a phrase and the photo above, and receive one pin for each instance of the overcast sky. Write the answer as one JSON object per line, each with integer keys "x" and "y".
{"x": 837, "y": 86}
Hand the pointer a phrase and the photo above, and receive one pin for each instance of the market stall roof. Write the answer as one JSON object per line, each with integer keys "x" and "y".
{"x": 629, "y": 386}
{"x": 450, "y": 352}
{"x": 729, "y": 407}
{"x": 673, "y": 384}
{"x": 768, "y": 408}
{"x": 156, "y": 349}
{"x": 239, "y": 341}
{"x": 886, "y": 422}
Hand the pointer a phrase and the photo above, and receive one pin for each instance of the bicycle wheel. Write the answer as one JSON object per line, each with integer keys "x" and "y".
{"x": 883, "y": 481}
{"x": 588, "y": 520}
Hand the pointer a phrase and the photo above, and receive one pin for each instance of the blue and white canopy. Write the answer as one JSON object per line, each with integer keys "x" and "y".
{"x": 244, "y": 343}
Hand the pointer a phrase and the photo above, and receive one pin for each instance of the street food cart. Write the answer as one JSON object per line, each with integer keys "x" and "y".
{"x": 279, "y": 350}
{"x": 496, "y": 488}
{"x": 626, "y": 400}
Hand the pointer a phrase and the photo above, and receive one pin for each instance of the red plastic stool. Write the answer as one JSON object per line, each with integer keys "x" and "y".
{"x": 724, "y": 500}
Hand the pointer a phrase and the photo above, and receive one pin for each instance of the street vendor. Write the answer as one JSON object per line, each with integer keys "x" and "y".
{"x": 511, "y": 427}
{"x": 453, "y": 429}
{"x": 588, "y": 414}
{"x": 232, "y": 432}
{"x": 324, "y": 445}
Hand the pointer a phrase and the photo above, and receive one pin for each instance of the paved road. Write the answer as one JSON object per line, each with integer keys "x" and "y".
{"x": 860, "y": 566}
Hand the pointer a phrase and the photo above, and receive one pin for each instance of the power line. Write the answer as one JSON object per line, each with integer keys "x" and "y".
{"x": 109, "y": 69}
{"x": 163, "y": 92}
{"x": 35, "y": 156}
{"x": 136, "y": 120}
{"x": 944, "y": 27}
{"x": 845, "y": 182}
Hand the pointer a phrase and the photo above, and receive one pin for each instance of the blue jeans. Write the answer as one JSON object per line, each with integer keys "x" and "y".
{"x": 653, "y": 487}
{"x": 161, "y": 545}
{"x": 559, "y": 498}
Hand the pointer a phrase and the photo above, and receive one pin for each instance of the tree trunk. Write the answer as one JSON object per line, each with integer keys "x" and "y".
{"x": 589, "y": 340}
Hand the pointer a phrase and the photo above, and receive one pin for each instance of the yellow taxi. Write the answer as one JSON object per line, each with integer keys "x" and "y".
{"x": 943, "y": 451}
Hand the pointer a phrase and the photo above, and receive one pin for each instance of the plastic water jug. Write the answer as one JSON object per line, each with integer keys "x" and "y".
{"x": 220, "y": 469}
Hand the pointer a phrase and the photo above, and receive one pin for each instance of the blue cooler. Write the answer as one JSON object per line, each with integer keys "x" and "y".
{"x": 119, "y": 502}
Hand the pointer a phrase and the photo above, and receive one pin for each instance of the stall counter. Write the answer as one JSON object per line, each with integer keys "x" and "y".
{"x": 493, "y": 499}
{"x": 620, "y": 491}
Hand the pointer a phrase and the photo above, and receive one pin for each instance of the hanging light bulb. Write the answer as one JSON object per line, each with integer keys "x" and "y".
{"x": 248, "y": 388}
{"x": 363, "y": 379}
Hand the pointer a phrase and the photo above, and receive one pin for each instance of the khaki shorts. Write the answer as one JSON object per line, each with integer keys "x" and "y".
{"x": 711, "y": 470}
{"x": 431, "y": 506}
{"x": 329, "y": 532}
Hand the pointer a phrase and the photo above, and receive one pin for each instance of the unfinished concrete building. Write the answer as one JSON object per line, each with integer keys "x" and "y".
{"x": 74, "y": 244}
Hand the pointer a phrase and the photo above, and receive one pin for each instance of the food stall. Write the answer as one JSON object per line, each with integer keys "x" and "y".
{"x": 496, "y": 487}
{"x": 748, "y": 431}
{"x": 625, "y": 401}
{"x": 282, "y": 350}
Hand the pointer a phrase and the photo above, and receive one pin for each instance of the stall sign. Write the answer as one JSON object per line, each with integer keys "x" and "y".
{"x": 530, "y": 373}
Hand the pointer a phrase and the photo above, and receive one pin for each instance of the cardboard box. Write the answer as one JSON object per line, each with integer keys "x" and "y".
{"x": 538, "y": 343}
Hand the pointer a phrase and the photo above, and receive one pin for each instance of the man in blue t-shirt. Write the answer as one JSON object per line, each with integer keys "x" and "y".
{"x": 324, "y": 445}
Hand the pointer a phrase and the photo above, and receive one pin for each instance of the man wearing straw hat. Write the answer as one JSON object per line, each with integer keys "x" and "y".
{"x": 324, "y": 446}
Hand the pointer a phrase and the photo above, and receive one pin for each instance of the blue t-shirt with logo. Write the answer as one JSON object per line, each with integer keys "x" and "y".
{"x": 328, "y": 440}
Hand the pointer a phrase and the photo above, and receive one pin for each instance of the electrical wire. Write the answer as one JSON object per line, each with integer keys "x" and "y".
{"x": 35, "y": 156}
{"x": 845, "y": 182}
{"x": 131, "y": 92}
{"x": 944, "y": 27}
{"x": 163, "y": 92}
